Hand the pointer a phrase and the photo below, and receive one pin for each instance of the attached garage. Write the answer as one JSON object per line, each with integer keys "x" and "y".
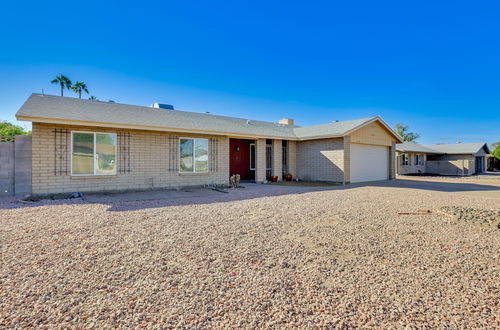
{"x": 369, "y": 162}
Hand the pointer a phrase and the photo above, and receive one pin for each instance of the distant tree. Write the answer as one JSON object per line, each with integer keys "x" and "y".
{"x": 79, "y": 87}
{"x": 402, "y": 130}
{"x": 63, "y": 82}
{"x": 9, "y": 129}
{"x": 93, "y": 98}
{"x": 496, "y": 151}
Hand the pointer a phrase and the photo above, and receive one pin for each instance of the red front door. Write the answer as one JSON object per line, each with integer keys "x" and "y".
{"x": 239, "y": 159}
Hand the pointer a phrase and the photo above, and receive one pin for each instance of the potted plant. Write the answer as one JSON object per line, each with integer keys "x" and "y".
{"x": 274, "y": 178}
{"x": 288, "y": 177}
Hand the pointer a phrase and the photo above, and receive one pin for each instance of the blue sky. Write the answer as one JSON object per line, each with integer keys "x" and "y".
{"x": 433, "y": 66}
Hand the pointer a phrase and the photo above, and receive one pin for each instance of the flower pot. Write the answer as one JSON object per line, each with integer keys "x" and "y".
{"x": 288, "y": 177}
{"x": 274, "y": 178}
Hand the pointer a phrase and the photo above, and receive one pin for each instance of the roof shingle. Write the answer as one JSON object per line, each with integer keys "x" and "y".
{"x": 50, "y": 108}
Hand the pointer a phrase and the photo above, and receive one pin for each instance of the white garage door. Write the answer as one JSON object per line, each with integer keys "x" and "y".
{"x": 369, "y": 163}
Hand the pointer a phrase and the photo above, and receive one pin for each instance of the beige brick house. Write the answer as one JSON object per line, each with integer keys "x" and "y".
{"x": 442, "y": 159}
{"x": 83, "y": 145}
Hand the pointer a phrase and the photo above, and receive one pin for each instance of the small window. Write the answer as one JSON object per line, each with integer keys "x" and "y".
{"x": 405, "y": 159}
{"x": 252, "y": 156}
{"x": 419, "y": 160}
{"x": 93, "y": 153}
{"x": 193, "y": 155}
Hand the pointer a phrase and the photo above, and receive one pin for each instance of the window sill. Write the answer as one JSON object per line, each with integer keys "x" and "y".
{"x": 86, "y": 177}
{"x": 193, "y": 173}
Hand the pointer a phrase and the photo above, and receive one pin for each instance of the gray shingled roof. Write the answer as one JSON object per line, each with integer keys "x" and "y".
{"x": 50, "y": 108}
{"x": 459, "y": 148}
{"x": 445, "y": 148}
{"x": 415, "y": 147}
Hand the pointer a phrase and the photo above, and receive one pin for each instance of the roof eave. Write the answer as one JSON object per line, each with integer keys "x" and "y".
{"x": 149, "y": 128}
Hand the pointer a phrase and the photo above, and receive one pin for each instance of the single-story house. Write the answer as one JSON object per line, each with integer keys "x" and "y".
{"x": 443, "y": 159}
{"x": 84, "y": 145}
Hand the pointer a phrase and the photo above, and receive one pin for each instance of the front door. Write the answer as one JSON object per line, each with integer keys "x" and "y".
{"x": 239, "y": 159}
{"x": 479, "y": 164}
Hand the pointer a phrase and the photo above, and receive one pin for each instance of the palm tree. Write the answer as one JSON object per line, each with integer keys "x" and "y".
{"x": 79, "y": 87}
{"x": 62, "y": 81}
{"x": 93, "y": 98}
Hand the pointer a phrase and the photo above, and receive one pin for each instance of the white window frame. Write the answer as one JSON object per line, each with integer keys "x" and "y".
{"x": 194, "y": 162}
{"x": 422, "y": 162}
{"x": 255, "y": 153}
{"x": 405, "y": 159}
{"x": 94, "y": 158}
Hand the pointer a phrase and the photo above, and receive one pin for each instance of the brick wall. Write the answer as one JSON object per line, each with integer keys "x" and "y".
{"x": 277, "y": 158}
{"x": 149, "y": 163}
{"x": 451, "y": 167}
{"x": 347, "y": 159}
{"x": 411, "y": 168}
{"x": 392, "y": 161}
{"x": 321, "y": 160}
{"x": 260, "y": 153}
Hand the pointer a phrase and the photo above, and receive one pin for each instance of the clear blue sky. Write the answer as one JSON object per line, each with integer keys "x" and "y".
{"x": 434, "y": 65}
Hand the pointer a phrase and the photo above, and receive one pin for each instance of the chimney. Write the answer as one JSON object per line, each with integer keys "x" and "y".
{"x": 162, "y": 106}
{"x": 286, "y": 121}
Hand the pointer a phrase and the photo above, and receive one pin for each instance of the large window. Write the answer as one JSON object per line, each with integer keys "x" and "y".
{"x": 193, "y": 155}
{"x": 419, "y": 160}
{"x": 93, "y": 153}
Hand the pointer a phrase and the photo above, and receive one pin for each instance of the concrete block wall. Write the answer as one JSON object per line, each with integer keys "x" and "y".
{"x": 321, "y": 160}
{"x": 15, "y": 167}
{"x": 6, "y": 168}
{"x": 22, "y": 169}
{"x": 149, "y": 163}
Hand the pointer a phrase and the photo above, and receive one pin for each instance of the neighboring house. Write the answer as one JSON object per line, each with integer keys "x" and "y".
{"x": 443, "y": 159}
{"x": 82, "y": 145}
{"x": 412, "y": 158}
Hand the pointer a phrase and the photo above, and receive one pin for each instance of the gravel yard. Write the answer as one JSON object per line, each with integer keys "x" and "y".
{"x": 264, "y": 256}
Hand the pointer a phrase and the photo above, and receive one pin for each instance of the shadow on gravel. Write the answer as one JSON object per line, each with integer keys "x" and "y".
{"x": 129, "y": 201}
{"x": 437, "y": 185}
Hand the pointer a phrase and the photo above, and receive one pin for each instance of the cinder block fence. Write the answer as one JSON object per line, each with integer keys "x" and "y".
{"x": 15, "y": 165}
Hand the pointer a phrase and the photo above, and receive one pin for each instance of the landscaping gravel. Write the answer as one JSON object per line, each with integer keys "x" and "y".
{"x": 299, "y": 258}
{"x": 474, "y": 215}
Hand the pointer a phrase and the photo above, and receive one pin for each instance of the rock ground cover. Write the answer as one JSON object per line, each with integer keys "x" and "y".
{"x": 473, "y": 215}
{"x": 305, "y": 258}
